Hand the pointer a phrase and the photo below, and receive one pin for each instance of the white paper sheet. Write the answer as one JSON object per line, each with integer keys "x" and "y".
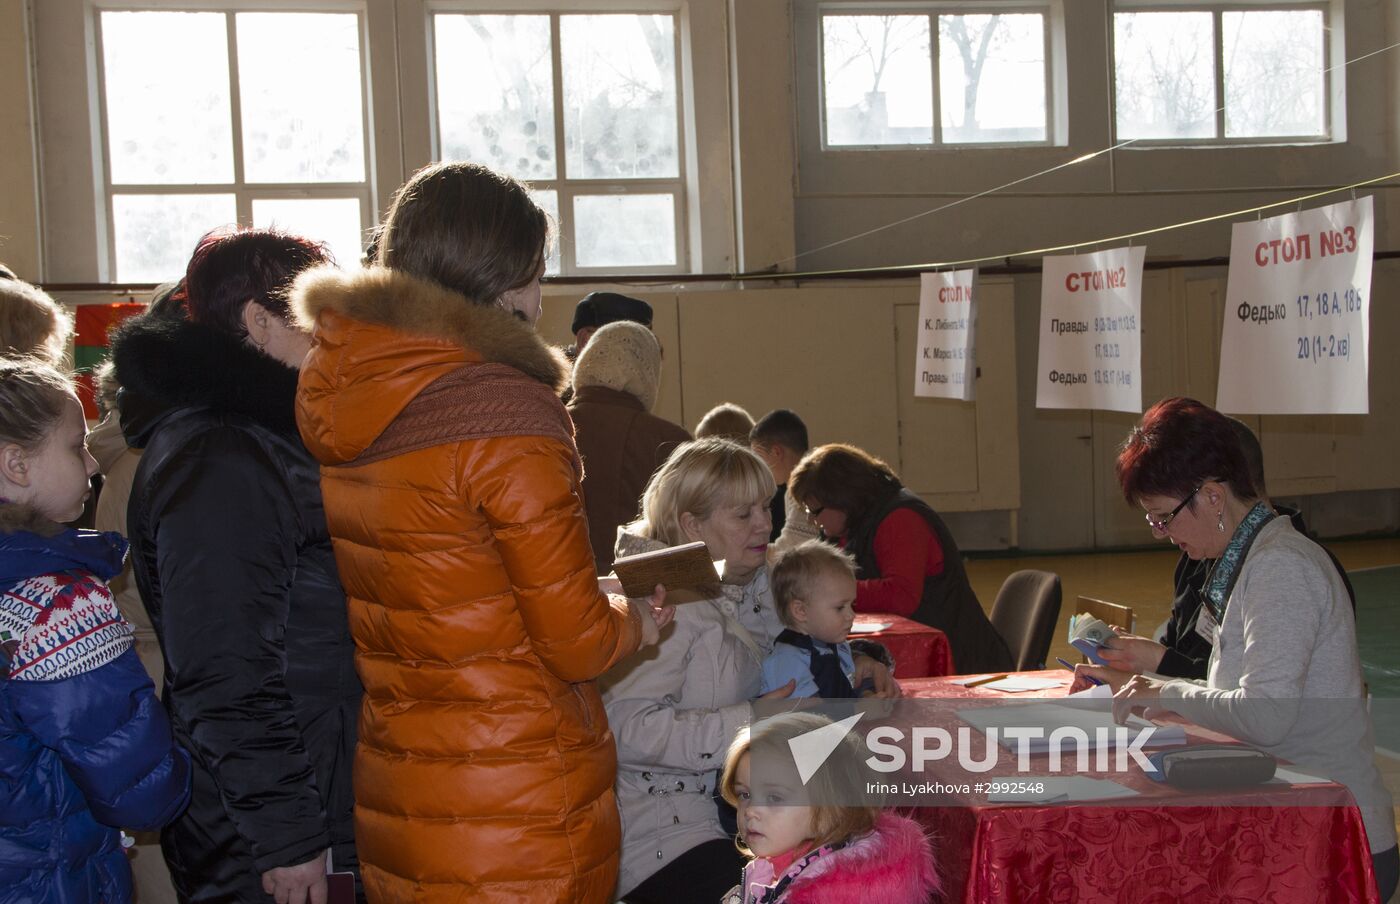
{"x": 1296, "y": 338}
{"x": 1016, "y": 684}
{"x": 945, "y": 361}
{"x": 1090, "y": 339}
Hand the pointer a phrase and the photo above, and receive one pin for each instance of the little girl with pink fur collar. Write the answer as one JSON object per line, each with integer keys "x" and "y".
{"x": 814, "y": 842}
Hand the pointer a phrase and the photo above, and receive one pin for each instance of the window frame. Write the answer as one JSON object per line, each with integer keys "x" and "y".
{"x": 243, "y": 191}
{"x": 564, "y": 187}
{"x": 1217, "y": 11}
{"x": 932, "y": 9}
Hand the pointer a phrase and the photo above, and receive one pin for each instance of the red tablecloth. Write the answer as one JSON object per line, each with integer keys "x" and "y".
{"x": 918, "y": 650}
{"x": 1240, "y": 852}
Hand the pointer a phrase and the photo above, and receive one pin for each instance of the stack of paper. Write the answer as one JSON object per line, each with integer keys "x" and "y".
{"x": 1087, "y": 634}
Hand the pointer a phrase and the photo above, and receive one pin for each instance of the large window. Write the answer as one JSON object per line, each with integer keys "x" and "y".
{"x": 212, "y": 118}
{"x": 582, "y": 106}
{"x": 1226, "y": 74}
{"x": 916, "y": 78}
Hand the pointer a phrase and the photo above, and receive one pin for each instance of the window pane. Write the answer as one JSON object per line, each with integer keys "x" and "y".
{"x": 1164, "y": 75}
{"x": 625, "y": 230}
{"x": 299, "y": 94}
{"x": 335, "y": 221}
{"x": 991, "y": 74}
{"x": 620, "y": 118}
{"x": 155, "y": 234}
{"x": 549, "y": 200}
{"x": 1274, "y": 83}
{"x": 495, "y": 92}
{"x": 877, "y": 74}
{"x": 166, "y": 81}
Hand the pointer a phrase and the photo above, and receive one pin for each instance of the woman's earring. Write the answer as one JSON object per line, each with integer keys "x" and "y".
{"x": 1220, "y": 521}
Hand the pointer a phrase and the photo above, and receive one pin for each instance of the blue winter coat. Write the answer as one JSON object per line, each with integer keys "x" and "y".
{"x": 85, "y": 746}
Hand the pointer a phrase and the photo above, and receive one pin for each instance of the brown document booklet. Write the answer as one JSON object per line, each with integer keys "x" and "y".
{"x": 686, "y": 568}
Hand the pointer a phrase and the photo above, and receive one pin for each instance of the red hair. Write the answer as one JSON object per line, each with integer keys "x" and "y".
{"x": 231, "y": 267}
{"x": 1179, "y": 444}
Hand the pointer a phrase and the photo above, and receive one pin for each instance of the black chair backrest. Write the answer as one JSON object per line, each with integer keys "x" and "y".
{"x": 1024, "y": 614}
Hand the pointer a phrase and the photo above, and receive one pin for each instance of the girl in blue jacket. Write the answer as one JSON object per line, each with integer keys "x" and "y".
{"x": 85, "y": 747}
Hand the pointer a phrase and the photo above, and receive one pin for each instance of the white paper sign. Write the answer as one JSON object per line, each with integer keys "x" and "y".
{"x": 1090, "y": 344}
{"x": 1297, "y": 313}
{"x": 945, "y": 367}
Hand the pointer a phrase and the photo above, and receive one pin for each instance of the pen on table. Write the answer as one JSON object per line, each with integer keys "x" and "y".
{"x": 987, "y": 680}
{"x": 1089, "y": 678}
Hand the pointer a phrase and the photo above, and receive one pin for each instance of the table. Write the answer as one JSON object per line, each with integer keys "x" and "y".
{"x": 918, "y": 650}
{"x": 1097, "y": 854}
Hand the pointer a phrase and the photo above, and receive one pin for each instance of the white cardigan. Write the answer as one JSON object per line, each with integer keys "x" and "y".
{"x": 1285, "y": 675}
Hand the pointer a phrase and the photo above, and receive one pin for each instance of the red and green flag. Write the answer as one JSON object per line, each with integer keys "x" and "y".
{"x": 94, "y": 324}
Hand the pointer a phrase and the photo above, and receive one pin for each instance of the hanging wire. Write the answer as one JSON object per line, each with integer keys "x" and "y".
{"x": 1073, "y": 246}
{"x": 990, "y": 191}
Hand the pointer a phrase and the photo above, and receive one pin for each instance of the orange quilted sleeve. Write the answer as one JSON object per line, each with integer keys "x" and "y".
{"x": 526, "y": 489}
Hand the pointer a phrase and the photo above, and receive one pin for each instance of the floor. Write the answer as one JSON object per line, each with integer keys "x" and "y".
{"x": 1143, "y": 580}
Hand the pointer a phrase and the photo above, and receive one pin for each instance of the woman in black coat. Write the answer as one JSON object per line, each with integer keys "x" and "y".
{"x": 233, "y": 560}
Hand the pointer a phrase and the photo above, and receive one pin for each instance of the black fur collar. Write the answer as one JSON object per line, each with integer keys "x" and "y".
{"x": 164, "y": 364}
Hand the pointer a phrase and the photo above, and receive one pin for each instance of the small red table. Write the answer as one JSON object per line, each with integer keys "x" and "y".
{"x": 1241, "y": 850}
{"x": 918, "y": 650}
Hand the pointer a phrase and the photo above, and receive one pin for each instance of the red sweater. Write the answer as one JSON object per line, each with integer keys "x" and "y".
{"x": 908, "y": 552}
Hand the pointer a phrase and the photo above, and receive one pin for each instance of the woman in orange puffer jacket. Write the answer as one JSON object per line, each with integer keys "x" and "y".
{"x": 485, "y": 765}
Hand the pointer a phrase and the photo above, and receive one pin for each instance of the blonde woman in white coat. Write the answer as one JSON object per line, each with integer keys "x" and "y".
{"x": 675, "y": 708}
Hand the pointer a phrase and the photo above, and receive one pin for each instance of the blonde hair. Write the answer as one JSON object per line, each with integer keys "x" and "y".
{"x": 837, "y": 779}
{"x": 726, "y": 421}
{"x": 32, "y": 323}
{"x": 795, "y": 572}
{"x": 700, "y": 477}
{"x": 32, "y": 396}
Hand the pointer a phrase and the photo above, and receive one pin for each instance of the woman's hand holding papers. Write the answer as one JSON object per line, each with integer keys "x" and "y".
{"x": 1130, "y": 653}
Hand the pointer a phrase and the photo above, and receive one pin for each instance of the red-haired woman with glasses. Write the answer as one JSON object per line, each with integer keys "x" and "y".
{"x": 1284, "y": 673}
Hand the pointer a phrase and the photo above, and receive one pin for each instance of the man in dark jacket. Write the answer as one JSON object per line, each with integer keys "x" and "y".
{"x": 233, "y": 559}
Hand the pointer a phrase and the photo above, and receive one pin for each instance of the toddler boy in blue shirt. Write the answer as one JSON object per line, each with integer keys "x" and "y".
{"x": 814, "y": 585}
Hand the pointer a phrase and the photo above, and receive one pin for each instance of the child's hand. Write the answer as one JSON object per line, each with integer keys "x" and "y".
{"x": 868, "y": 669}
{"x": 781, "y": 692}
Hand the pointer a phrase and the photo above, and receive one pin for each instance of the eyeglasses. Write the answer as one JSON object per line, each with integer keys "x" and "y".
{"x": 1160, "y": 524}
{"x": 813, "y": 512}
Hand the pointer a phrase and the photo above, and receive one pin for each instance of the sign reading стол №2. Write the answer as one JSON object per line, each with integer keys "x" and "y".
{"x": 1090, "y": 344}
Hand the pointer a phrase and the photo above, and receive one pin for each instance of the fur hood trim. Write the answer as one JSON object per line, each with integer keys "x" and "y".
{"x": 167, "y": 364}
{"x": 420, "y": 307}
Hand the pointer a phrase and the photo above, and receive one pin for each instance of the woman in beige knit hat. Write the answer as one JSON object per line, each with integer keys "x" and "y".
{"x": 616, "y": 380}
